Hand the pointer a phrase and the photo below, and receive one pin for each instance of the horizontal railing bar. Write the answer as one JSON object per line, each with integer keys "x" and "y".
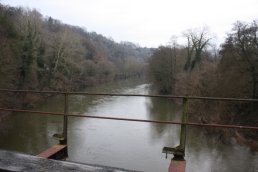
{"x": 133, "y": 95}
{"x": 32, "y": 91}
{"x": 32, "y": 111}
{"x": 135, "y": 120}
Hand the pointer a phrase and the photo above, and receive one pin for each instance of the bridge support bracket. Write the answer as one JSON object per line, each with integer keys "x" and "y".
{"x": 178, "y": 152}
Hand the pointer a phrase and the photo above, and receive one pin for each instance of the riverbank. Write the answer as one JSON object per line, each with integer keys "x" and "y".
{"x": 31, "y": 100}
{"x": 243, "y": 137}
{"x": 220, "y": 112}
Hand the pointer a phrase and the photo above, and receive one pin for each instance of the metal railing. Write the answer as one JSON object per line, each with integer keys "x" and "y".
{"x": 178, "y": 151}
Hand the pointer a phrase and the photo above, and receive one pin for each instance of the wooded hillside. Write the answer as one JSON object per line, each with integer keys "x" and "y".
{"x": 41, "y": 53}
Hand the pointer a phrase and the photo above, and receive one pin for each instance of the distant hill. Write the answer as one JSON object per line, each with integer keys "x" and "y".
{"x": 42, "y": 53}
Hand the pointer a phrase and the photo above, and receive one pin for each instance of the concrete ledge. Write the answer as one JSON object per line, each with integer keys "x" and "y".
{"x": 16, "y": 162}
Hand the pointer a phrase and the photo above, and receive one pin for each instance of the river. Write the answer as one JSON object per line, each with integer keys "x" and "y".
{"x": 130, "y": 145}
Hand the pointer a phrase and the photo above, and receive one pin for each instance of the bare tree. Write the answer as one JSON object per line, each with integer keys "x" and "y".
{"x": 173, "y": 51}
{"x": 244, "y": 39}
{"x": 197, "y": 41}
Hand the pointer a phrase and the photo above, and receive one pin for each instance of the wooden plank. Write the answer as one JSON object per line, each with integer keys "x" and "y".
{"x": 177, "y": 166}
{"x": 17, "y": 162}
{"x": 51, "y": 152}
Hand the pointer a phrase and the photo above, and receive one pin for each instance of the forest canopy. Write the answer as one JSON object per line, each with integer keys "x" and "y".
{"x": 39, "y": 52}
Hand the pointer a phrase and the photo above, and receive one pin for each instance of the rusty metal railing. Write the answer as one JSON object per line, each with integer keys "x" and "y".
{"x": 179, "y": 151}
{"x": 132, "y": 95}
{"x": 131, "y": 119}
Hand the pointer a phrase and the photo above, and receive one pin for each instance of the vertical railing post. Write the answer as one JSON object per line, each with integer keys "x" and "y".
{"x": 179, "y": 151}
{"x": 183, "y": 127}
{"x": 178, "y": 163}
{"x": 65, "y": 121}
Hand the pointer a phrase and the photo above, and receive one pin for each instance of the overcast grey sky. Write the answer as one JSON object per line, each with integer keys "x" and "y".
{"x": 148, "y": 22}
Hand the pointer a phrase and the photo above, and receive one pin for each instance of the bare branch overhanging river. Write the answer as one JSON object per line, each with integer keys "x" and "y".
{"x": 123, "y": 144}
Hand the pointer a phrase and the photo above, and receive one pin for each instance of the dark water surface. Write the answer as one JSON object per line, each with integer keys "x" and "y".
{"x": 123, "y": 144}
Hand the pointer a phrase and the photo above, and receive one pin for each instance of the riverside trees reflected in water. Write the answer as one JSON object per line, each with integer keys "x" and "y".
{"x": 124, "y": 144}
{"x": 164, "y": 110}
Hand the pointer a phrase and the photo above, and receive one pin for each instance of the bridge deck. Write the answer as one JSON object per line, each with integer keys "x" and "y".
{"x": 13, "y": 161}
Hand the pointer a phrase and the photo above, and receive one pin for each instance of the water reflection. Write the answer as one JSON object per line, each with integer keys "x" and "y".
{"x": 124, "y": 144}
{"x": 117, "y": 143}
{"x": 205, "y": 153}
{"x": 162, "y": 110}
{"x": 27, "y": 133}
